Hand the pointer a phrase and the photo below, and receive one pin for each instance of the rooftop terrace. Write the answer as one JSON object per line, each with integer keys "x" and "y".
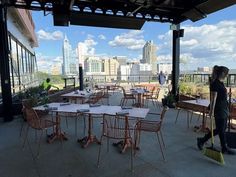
{"x": 68, "y": 159}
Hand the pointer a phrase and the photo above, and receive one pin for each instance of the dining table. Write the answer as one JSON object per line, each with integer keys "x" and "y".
{"x": 139, "y": 92}
{"x": 198, "y": 105}
{"x": 57, "y": 108}
{"x": 79, "y": 96}
{"x": 106, "y": 86}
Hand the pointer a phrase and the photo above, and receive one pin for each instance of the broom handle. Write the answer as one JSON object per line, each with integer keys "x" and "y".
{"x": 213, "y": 96}
{"x": 229, "y": 108}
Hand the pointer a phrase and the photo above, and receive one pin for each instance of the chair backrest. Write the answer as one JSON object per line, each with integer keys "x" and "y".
{"x": 233, "y": 111}
{"x": 163, "y": 112}
{"x": 151, "y": 89}
{"x": 32, "y": 118}
{"x": 115, "y": 126}
{"x": 157, "y": 92}
{"x": 123, "y": 90}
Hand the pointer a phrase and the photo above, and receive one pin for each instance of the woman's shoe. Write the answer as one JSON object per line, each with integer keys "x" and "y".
{"x": 200, "y": 143}
{"x": 228, "y": 151}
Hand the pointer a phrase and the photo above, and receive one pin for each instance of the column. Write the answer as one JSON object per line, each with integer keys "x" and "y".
{"x": 81, "y": 78}
{"x": 175, "y": 60}
{"x": 4, "y": 67}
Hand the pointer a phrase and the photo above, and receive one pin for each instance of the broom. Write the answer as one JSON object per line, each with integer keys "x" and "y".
{"x": 211, "y": 152}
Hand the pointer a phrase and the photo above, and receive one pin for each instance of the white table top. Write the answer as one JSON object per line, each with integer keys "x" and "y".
{"x": 138, "y": 91}
{"x": 105, "y": 84}
{"x": 200, "y": 102}
{"x": 103, "y": 109}
{"x": 78, "y": 93}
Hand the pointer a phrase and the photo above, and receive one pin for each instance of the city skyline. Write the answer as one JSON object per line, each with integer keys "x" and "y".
{"x": 207, "y": 42}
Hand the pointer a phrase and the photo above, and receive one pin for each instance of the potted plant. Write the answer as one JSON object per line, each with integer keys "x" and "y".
{"x": 169, "y": 100}
{"x": 33, "y": 96}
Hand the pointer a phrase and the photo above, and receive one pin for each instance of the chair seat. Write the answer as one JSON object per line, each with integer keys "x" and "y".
{"x": 150, "y": 126}
{"x": 129, "y": 96}
{"x": 42, "y": 124}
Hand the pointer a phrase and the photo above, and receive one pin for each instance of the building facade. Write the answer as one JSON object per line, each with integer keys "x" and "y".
{"x": 94, "y": 66}
{"x": 149, "y": 55}
{"x": 22, "y": 40}
{"x": 164, "y": 67}
{"x": 70, "y": 59}
{"x": 111, "y": 67}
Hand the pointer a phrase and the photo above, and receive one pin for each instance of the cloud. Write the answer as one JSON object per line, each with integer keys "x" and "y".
{"x": 43, "y": 35}
{"x": 88, "y": 45}
{"x": 133, "y": 40}
{"x": 207, "y": 44}
{"x": 189, "y": 43}
{"x": 45, "y": 63}
{"x": 102, "y": 37}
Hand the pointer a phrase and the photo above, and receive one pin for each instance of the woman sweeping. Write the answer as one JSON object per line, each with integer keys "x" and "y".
{"x": 221, "y": 110}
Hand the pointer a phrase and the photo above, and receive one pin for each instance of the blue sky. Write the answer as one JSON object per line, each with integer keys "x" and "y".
{"x": 207, "y": 42}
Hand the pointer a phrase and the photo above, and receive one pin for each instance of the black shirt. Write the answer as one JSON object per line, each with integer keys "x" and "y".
{"x": 221, "y": 106}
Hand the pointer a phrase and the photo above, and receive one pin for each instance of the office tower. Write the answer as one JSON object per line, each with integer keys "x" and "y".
{"x": 70, "y": 64}
{"x": 111, "y": 67}
{"x": 93, "y": 65}
{"x": 149, "y": 55}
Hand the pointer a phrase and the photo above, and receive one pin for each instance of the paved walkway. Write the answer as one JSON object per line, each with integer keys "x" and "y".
{"x": 68, "y": 159}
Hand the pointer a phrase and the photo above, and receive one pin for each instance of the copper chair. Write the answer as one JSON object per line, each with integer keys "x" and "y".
{"x": 233, "y": 114}
{"x": 29, "y": 103}
{"x": 179, "y": 106}
{"x": 126, "y": 97}
{"x": 116, "y": 127}
{"x": 153, "y": 96}
{"x": 95, "y": 97}
{"x": 37, "y": 124}
{"x": 150, "y": 126}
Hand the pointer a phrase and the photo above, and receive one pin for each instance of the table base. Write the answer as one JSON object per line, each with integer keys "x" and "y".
{"x": 87, "y": 140}
{"x": 138, "y": 105}
{"x": 123, "y": 145}
{"x": 54, "y": 136}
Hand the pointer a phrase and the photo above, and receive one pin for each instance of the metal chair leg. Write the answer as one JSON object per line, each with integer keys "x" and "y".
{"x": 22, "y": 127}
{"x": 39, "y": 143}
{"x": 188, "y": 119}
{"x": 108, "y": 144}
{"x": 67, "y": 122}
{"x": 27, "y": 130}
{"x": 177, "y": 116}
{"x": 191, "y": 117}
{"x": 99, "y": 152}
{"x": 162, "y": 139}
{"x": 131, "y": 153}
{"x": 76, "y": 127}
{"x": 161, "y": 147}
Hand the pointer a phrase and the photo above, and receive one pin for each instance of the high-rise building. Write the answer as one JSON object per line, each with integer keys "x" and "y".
{"x": 93, "y": 66}
{"x": 122, "y": 60}
{"x": 111, "y": 67}
{"x": 70, "y": 62}
{"x": 149, "y": 55}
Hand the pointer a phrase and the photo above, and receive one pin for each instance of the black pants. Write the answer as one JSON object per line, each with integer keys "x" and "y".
{"x": 221, "y": 124}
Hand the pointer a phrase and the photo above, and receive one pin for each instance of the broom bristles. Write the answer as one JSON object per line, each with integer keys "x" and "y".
{"x": 214, "y": 154}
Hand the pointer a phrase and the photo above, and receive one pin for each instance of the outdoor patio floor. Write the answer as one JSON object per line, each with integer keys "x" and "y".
{"x": 69, "y": 159}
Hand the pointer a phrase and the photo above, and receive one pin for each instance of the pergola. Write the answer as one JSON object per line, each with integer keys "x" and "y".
{"x": 129, "y": 14}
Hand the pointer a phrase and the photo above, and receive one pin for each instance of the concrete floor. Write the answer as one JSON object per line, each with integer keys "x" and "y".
{"x": 68, "y": 159}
